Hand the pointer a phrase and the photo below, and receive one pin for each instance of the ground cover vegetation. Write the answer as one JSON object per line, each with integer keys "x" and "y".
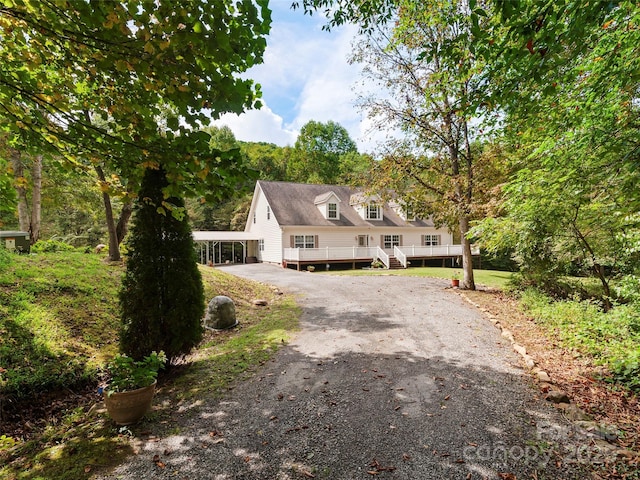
{"x": 564, "y": 343}
{"x": 59, "y": 320}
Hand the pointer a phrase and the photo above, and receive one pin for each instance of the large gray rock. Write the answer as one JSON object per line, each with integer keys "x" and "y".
{"x": 221, "y": 313}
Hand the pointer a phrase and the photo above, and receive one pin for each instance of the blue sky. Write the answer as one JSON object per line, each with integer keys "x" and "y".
{"x": 305, "y": 76}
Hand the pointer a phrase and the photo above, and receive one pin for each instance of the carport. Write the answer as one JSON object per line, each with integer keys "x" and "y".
{"x": 222, "y": 247}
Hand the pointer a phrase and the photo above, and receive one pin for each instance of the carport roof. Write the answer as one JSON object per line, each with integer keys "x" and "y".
{"x": 222, "y": 236}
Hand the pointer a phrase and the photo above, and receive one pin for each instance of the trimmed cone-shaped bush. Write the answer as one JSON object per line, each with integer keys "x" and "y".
{"x": 162, "y": 297}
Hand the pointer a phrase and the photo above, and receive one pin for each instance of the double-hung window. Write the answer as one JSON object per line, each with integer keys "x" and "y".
{"x": 261, "y": 244}
{"x": 332, "y": 210}
{"x": 304, "y": 241}
{"x": 391, "y": 241}
{"x": 430, "y": 240}
{"x": 374, "y": 212}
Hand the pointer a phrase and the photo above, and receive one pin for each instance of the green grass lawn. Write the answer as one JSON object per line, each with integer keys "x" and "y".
{"x": 59, "y": 326}
{"x": 58, "y": 320}
{"x": 489, "y": 278}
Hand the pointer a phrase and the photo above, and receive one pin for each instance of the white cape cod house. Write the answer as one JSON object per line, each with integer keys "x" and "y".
{"x": 296, "y": 225}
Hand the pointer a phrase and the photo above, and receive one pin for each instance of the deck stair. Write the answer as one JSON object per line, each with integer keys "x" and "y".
{"x": 394, "y": 264}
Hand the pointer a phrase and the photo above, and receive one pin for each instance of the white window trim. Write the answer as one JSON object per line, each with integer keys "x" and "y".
{"x": 336, "y": 211}
{"x": 431, "y": 240}
{"x": 391, "y": 241}
{"x": 368, "y": 210}
{"x": 304, "y": 241}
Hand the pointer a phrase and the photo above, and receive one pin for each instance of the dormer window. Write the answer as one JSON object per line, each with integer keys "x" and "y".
{"x": 369, "y": 207}
{"x": 374, "y": 212}
{"x": 332, "y": 210}
{"x": 406, "y": 213}
{"x": 329, "y": 205}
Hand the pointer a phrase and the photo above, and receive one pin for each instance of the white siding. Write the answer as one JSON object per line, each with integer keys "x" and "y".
{"x": 348, "y": 236}
{"x": 323, "y": 209}
{"x": 266, "y": 228}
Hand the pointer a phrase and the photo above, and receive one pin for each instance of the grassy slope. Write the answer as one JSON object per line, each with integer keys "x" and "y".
{"x": 58, "y": 313}
{"x": 58, "y": 320}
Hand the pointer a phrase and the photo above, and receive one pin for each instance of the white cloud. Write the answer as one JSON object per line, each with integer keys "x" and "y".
{"x": 305, "y": 76}
{"x": 258, "y": 126}
{"x": 327, "y": 93}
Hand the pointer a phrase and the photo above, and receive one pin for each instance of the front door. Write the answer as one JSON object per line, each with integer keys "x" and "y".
{"x": 363, "y": 240}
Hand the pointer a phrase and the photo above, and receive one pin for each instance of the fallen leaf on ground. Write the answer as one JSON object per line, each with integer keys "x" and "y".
{"x": 160, "y": 464}
{"x": 377, "y": 468}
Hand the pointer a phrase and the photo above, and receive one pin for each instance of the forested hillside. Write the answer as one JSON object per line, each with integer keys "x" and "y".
{"x": 71, "y": 201}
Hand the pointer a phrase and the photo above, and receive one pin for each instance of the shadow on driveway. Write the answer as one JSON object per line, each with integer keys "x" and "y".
{"x": 389, "y": 377}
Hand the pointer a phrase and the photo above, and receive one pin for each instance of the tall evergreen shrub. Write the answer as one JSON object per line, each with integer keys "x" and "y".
{"x": 162, "y": 297}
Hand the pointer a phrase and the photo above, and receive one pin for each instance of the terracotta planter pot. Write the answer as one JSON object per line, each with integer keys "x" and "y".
{"x": 126, "y": 408}
{"x": 455, "y": 282}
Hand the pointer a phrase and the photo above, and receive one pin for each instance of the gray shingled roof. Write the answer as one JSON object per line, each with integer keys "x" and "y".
{"x": 294, "y": 204}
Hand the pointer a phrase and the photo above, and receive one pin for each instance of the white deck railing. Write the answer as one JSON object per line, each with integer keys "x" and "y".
{"x": 372, "y": 253}
{"x": 329, "y": 253}
{"x": 382, "y": 256}
{"x": 401, "y": 256}
{"x": 436, "y": 250}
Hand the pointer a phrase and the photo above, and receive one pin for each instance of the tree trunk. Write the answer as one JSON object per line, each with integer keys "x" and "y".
{"x": 36, "y": 199}
{"x": 114, "y": 245}
{"x": 468, "y": 282}
{"x": 123, "y": 222}
{"x": 20, "y": 184}
{"x": 29, "y": 218}
{"x": 598, "y": 269}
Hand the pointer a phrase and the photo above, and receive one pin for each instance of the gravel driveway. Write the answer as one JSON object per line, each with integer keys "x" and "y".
{"x": 389, "y": 377}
